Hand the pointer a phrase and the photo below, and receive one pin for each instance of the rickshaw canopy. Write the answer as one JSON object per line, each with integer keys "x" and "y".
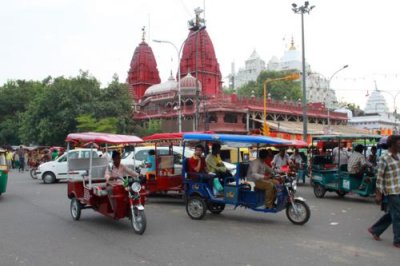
{"x": 100, "y": 138}
{"x": 163, "y": 137}
{"x": 351, "y": 136}
{"x": 234, "y": 140}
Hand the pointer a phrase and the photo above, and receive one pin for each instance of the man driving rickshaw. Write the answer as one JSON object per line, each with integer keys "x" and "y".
{"x": 115, "y": 172}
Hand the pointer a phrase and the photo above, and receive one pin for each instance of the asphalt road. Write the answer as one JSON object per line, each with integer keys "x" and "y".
{"x": 36, "y": 229}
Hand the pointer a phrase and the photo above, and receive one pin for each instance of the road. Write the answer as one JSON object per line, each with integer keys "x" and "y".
{"x": 36, "y": 229}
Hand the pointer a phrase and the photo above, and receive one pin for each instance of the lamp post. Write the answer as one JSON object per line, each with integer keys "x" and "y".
{"x": 394, "y": 96}
{"x": 329, "y": 87}
{"x": 306, "y": 8}
{"x": 178, "y": 53}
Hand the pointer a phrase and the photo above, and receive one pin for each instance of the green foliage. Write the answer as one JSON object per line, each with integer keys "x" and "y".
{"x": 277, "y": 89}
{"x": 152, "y": 127}
{"x": 89, "y": 123}
{"x": 45, "y": 112}
{"x": 355, "y": 109}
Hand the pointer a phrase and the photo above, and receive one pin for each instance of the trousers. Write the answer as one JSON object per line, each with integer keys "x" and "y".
{"x": 268, "y": 187}
{"x": 390, "y": 218}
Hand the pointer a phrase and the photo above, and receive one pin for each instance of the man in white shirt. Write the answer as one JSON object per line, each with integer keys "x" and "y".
{"x": 280, "y": 159}
{"x": 344, "y": 155}
{"x": 115, "y": 172}
{"x": 261, "y": 175}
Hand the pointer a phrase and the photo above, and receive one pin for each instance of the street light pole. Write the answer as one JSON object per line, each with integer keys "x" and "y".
{"x": 178, "y": 52}
{"x": 301, "y": 10}
{"x": 329, "y": 87}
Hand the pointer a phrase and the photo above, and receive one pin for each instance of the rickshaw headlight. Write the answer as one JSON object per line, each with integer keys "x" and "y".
{"x": 136, "y": 187}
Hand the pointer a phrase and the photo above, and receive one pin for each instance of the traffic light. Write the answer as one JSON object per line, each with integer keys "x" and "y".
{"x": 265, "y": 129}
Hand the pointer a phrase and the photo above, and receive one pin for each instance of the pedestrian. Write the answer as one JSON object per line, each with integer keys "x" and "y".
{"x": 388, "y": 186}
{"x": 21, "y": 158}
{"x": 9, "y": 158}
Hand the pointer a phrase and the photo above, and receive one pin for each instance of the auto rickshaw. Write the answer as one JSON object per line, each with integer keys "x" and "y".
{"x": 3, "y": 171}
{"x": 200, "y": 197}
{"x": 92, "y": 192}
{"x": 166, "y": 176}
{"x": 329, "y": 176}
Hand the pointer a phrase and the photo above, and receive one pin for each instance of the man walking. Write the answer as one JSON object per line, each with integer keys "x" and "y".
{"x": 21, "y": 157}
{"x": 388, "y": 184}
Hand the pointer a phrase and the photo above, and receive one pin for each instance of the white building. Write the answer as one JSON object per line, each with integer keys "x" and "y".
{"x": 377, "y": 115}
{"x": 317, "y": 86}
{"x": 253, "y": 66}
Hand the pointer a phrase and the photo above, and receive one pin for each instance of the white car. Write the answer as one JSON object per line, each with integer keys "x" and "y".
{"x": 141, "y": 154}
{"x": 53, "y": 171}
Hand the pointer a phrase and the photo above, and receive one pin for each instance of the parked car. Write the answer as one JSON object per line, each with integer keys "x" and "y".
{"x": 53, "y": 171}
{"x": 141, "y": 154}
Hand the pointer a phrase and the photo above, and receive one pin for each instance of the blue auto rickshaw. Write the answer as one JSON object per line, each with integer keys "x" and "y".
{"x": 329, "y": 175}
{"x": 200, "y": 197}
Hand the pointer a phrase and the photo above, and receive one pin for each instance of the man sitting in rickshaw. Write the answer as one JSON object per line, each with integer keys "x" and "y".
{"x": 151, "y": 164}
{"x": 358, "y": 165}
{"x": 261, "y": 174}
{"x": 197, "y": 163}
{"x": 373, "y": 158}
{"x": 215, "y": 164}
{"x": 280, "y": 159}
{"x": 115, "y": 172}
{"x": 296, "y": 160}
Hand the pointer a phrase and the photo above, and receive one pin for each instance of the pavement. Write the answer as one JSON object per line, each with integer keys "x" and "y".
{"x": 36, "y": 229}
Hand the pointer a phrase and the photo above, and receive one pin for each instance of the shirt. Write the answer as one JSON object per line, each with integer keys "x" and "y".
{"x": 356, "y": 162}
{"x": 278, "y": 161}
{"x": 344, "y": 157}
{"x": 192, "y": 164}
{"x": 388, "y": 176}
{"x": 296, "y": 158}
{"x": 257, "y": 170}
{"x": 215, "y": 164}
{"x": 151, "y": 160}
{"x": 121, "y": 171}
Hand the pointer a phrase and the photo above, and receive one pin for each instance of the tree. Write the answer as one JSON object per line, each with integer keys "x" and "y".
{"x": 14, "y": 100}
{"x": 87, "y": 122}
{"x": 355, "y": 109}
{"x": 277, "y": 89}
{"x": 51, "y": 115}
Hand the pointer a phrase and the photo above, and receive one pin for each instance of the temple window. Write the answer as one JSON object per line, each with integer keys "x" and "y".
{"x": 230, "y": 118}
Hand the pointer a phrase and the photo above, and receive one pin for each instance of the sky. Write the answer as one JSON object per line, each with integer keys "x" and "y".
{"x": 61, "y": 37}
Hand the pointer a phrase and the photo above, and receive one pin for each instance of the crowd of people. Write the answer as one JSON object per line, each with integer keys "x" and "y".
{"x": 22, "y": 158}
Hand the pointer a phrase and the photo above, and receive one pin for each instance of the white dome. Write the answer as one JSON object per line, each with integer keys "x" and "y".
{"x": 165, "y": 87}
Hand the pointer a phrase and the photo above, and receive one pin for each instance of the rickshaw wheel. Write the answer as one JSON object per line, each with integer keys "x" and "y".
{"x": 75, "y": 209}
{"x": 33, "y": 173}
{"x": 215, "y": 208}
{"x": 196, "y": 207}
{"x": 49, "y": 178}
{"x": 341, "y": 193}
{"x": 304, "y": 212}
{"x": 138, "y": 221}
{"x": 319, "y": 191}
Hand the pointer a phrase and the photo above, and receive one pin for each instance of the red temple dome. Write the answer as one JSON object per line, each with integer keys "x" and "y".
{"x": 188, "y": 85}
{"x": 206, "y": 65}
{"x": 143, "y": 71}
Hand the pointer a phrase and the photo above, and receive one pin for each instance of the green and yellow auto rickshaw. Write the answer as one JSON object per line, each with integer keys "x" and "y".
{"x": 3, "y": 172}
{"x": 329, "y": 172}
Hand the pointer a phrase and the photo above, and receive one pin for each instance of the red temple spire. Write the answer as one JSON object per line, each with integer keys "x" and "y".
{"x": 143, "y": 71}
